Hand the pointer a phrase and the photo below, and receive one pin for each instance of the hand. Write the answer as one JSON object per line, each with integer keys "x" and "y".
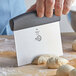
{"x": 45, "y": 7}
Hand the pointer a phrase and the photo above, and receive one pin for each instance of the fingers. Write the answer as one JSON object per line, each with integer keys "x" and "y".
{"x": 58, "y": 7}
{"x": 49, "y": 8}
{"x": 32, "y": 8}
{"x": 67, "y": 6}
{"x": 45, "y": 7}
{"x": 40, "y": 8}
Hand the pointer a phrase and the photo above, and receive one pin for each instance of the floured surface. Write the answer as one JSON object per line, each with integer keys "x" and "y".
{"x": 10, "y": 62}
{"x": 28, "y": 71}
{"x": 7, "y": 43}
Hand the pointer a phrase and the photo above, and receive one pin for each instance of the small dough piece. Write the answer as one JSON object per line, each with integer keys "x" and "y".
{"x": 42, "y": 59}
{"x": 64, "y": 70}
{"x": 74, "y": 45}
{"x": 73, "y": 72}
{"x": 56, "y": 62}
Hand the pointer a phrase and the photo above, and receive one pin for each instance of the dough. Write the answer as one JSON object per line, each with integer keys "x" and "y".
{"x": 7, "y": 68}
{"x": 64, "y": 70}
{"x": 56, "y": 62}
{"x": 73, "y": 72}
{"x": 74, "y": 45}
{"x": 41, "y": 59}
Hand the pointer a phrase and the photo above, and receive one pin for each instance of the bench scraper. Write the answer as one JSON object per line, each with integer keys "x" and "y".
{"x": 36, "y": 36}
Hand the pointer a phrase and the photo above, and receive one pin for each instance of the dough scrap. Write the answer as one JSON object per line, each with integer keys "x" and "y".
{"x": 42, "y": 59}
{"x": 73, "y": 72}
{"x": 64, "y": 70}
{"x": 74, "y": 45}
{"x": 56, "y": 62}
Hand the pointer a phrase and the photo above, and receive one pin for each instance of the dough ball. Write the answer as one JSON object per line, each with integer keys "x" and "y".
{"x": 56, "y": 62}
{"x": 41, "y": 59}
{"x": 64, "y": 70}
{"x": 74, "y": 45}
{"x": 73, "y": 72}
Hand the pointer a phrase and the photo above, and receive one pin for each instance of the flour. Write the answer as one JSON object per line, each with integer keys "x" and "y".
{"x": 9, "y": 71}
{"x": 36, "y": 75}
{"x": 7, "y": 44}
{"x": 69, "y": 56}
{"x": 3, "y": 74}
{"x": 44, "y": 72}
{"x": 13, "y": 72}
{"x": 28, "y": 75}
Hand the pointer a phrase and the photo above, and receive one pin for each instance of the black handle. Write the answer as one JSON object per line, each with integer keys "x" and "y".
{"x": 30, "y": 19}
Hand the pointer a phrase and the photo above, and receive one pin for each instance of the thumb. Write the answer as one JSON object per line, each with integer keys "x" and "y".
{"x": 33, "y": 8}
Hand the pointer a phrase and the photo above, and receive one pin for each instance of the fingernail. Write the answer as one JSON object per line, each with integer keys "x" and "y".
{"x": 49, "y": 14}
{"x": 40, "y": 15}
{"x": 66, "y": 11}
{"x": 58, "y": 12}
